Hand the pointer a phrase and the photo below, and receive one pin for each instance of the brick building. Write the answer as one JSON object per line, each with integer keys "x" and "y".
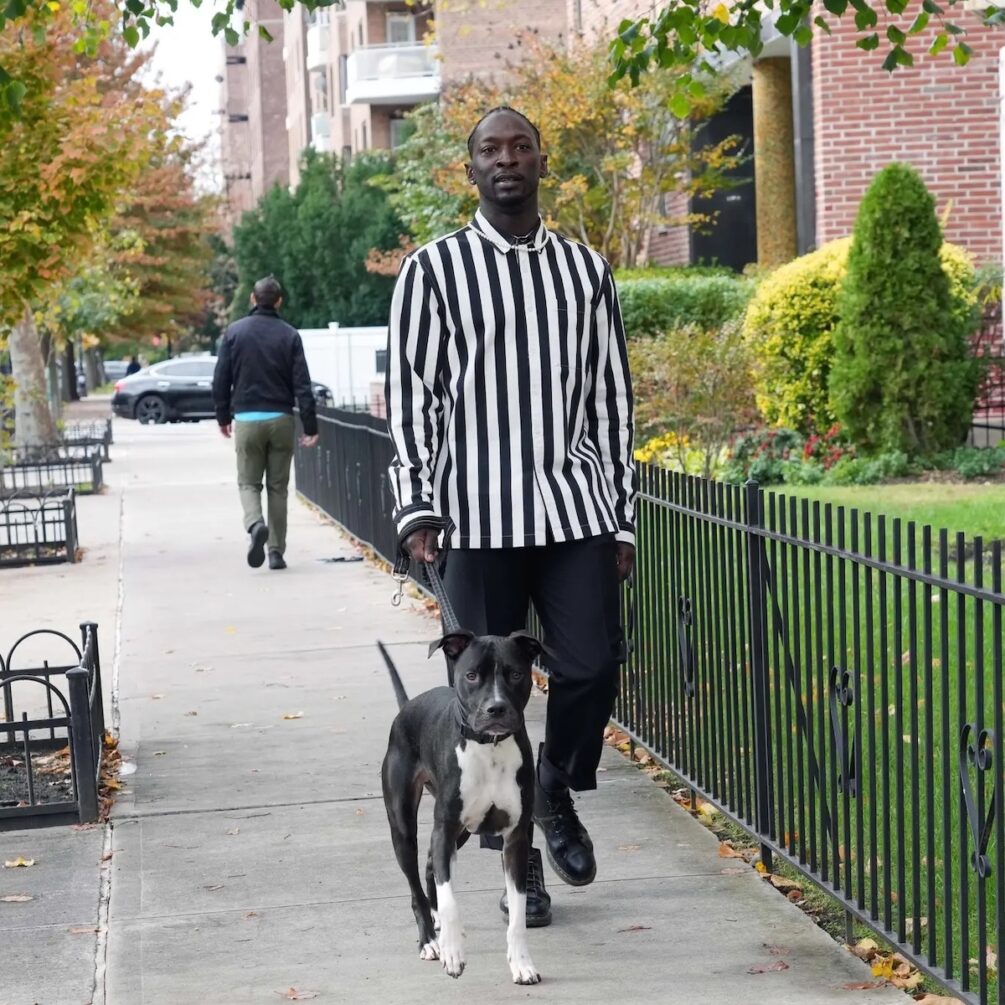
{"x": 254, "y": 141}
{"x": 819, "y": 121}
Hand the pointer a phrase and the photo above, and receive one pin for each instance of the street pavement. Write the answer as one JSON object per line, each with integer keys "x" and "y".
{"x": 248, "y": 855}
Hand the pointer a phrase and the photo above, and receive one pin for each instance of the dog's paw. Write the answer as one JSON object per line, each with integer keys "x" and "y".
{"x": 522, "y": 967}
{"x": 430, "y": 951}
{"x": 452, "y": 954}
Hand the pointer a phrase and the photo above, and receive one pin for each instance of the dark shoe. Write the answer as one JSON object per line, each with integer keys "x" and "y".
{"x": 570, "y": 850}
{"x": 276, "y": 560}
{"x": 538, "y": 900}
{"x": 258, "y": 534}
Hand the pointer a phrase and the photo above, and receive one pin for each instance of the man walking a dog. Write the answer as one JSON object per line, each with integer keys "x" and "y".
{"x": 510, "y": 407}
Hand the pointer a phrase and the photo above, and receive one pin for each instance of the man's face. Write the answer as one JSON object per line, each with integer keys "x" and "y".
{"x": 506, "y": 162}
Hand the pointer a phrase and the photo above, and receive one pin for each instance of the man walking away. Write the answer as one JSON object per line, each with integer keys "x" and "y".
{"x": 260, "y": 373}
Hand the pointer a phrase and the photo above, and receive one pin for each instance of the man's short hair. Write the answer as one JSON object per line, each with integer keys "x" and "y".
{"x": 268, "y": 292}
{"x": 493, "y": 111}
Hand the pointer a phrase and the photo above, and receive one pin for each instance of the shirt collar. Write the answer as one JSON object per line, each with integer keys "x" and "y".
{"x": 502, "y": 243}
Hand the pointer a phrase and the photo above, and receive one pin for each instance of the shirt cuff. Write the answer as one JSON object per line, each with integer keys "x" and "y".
{"x": 625, "y": 537}
{"x": 417, "y": 513}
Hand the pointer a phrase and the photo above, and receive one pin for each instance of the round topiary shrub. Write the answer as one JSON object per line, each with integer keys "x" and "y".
{"x": 903, "y": 376}
{"x": 790, "y": 325}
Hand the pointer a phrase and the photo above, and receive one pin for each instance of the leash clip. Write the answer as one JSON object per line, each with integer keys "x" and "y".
{"x": 400, "y": 575}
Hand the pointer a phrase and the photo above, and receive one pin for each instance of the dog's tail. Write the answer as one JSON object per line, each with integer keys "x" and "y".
{"x": 399, "y": 688}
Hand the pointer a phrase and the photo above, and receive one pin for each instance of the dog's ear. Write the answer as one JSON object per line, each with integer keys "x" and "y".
{"x": 453, "y": 644}
{"x": 532, "y": 646}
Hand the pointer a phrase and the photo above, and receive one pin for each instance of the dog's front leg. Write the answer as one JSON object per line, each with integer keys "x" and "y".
{"x": 515, "y": 853}
{"x": 443, "y": 847}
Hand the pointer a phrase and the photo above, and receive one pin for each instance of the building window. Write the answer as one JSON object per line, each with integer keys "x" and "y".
{"x": 347, "y": 154}
{"x": 577, "y": 15}
{"x": 381, "y": 360}
{"x": 319, "y": 89}
{"x": 400, "y": 29}
{"x": 399, "y": 132}
{"x": 366, "y": 141}
{"x": 361, "y": 33}
{"x": 343, "y": 73}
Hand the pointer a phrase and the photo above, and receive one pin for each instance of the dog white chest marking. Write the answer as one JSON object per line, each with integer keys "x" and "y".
{"x": 488, "y": 778}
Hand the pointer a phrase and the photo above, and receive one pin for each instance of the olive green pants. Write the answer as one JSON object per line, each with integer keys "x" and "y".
{"x": 265, "y": 449}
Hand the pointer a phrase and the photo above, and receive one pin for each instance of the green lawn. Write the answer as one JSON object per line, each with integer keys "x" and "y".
{"x": 973, "y": 508}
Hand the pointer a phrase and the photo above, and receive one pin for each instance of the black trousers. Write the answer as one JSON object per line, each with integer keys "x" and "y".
{"x": 575, "y": 591}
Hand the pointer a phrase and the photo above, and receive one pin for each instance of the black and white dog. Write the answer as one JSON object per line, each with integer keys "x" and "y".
{"x": 468, "y": 746}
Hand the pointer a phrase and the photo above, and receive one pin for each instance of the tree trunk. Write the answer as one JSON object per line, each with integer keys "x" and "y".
{"x": 92, "y": 367}
{"x": 69, "y": 373}
{"x": 34, "y": 428}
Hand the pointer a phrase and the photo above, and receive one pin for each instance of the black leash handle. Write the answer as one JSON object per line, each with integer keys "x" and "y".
{"x": 447, "y": 615}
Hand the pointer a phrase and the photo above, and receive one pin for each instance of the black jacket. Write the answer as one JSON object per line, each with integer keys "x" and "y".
{"x": 260, "y": 367}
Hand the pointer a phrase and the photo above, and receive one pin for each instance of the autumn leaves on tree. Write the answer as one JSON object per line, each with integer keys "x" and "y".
{"x": 79, "y": 159}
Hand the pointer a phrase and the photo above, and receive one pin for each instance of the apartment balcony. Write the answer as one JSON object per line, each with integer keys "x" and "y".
{"x": 317, "y": 46}
{"x": 393, "y": 75}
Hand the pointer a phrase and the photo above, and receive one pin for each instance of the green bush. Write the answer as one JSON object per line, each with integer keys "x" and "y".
{"x": 652, "y": 307}
{"x": 790, "y": 324}
{"x": 694, "y": 384}
{"x": 971, "y": 462}
{"x": 902, "y": 377}
{"x": 763, "y": 456}
{"x": 672, "y": 272}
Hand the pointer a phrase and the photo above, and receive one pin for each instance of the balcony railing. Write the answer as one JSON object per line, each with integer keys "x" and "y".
{"x": 392, "y": 75}
{"x": 317, "y": 46}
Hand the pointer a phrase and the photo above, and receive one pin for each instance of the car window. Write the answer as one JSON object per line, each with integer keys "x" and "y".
{"x": 170, "y": 370}
{"x": 188, "y": 368}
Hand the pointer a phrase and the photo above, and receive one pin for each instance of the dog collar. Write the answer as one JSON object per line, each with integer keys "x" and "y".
{"x": 469, "y": 734}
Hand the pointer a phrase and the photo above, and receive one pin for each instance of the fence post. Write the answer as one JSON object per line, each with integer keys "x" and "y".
{"x": 99, "y": 698}
{"x": 85, "y": 767}
{"x": 761, "y": 705}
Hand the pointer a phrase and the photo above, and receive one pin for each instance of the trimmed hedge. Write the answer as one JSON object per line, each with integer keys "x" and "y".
{"x": 790, "y": 324}
{"x": 903, "y": 376}
{"x": 701, "y": 299}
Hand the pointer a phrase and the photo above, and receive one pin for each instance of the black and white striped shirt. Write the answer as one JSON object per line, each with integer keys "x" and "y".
{"x": 508, "y": 395}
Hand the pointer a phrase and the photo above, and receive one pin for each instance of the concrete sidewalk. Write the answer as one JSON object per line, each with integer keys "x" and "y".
{"x": 249, "y": 851}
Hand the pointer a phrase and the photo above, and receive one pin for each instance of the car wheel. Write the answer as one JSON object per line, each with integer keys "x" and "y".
{"x": 151, "y": 409}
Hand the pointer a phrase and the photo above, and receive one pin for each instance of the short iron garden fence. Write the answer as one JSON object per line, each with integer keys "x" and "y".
{"x": 830, "y": 679}
{"x": 81, "y": 438}
{"x": 52, "y": 732}
{"x": 60, "y": 467}
{"x": 38, "y": 529}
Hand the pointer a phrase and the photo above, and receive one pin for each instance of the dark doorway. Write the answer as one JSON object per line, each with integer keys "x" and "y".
{"x": 731, "y": 238}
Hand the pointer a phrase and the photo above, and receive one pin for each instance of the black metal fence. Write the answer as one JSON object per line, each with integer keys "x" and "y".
{"x": 82, "y": 438}
{"x": 38, "y": 530}
{"x": 61, "y": 468}
{"x": 346, "y": 475}
{"x": 52, "y": 732}
{"x": 988, "y": 428}
{"x": 831, "y": 680}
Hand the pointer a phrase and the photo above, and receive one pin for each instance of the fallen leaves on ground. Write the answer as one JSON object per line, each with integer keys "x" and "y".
{"x": 889, "y": 967}
{"x": 293, "y": 995}
{"x": 992, "y": 959}
{"x": 234, "y": 831}
{"x": 786, "y": 886}
{"x": 863, "y": 986}
{"x": 250, "y": 915}
{"x": 159, "y": 753}
{"x": 768, "y": 968}
{"x": 293, "y": 715}
{"x": 937, "y": 1000}
{"x": 726, "y": 850}
{"x": 629, "y": 847}
{"x": 19, "y": 863}
{"x": 156, "y": 697}
{"x": 16, "y": 898}
{"x": 636, "y": 928}
{"x": 214, "y": 887}
{"x": 109, "y": 784}
{"x": 83, "y": 930}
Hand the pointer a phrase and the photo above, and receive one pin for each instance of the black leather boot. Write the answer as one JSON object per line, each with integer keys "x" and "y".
{"x": 570, "y": 850}
{"x": 538, "y": 899}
